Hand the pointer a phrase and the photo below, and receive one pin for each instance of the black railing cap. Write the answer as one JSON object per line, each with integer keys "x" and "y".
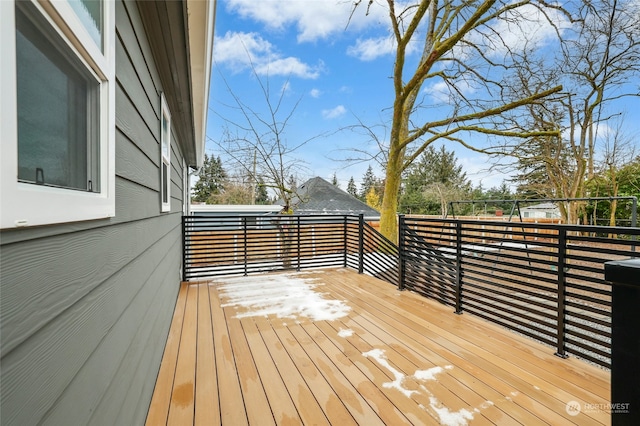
{"x": 626, "y": 272}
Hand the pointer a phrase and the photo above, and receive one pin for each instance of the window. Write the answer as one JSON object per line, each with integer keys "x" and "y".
{"x": 165, "y": 157}
{"x": 57, "y": 146}
{"x": 58, "y": 88}
{"x": 90, "y": 13}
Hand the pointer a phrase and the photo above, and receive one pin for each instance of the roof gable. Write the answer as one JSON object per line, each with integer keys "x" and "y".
{"x": 317, "y": 196}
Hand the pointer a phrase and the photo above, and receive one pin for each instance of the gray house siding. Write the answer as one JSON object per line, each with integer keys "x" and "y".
{"x": 85, "y": 308}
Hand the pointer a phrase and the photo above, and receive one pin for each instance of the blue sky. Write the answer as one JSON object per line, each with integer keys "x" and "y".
{"x": 339, "y": 73}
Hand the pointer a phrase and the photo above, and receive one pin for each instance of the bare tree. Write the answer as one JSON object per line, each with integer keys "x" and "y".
{"x": 464, "y": 52}
{"x": 257, "y": 143}
{"x": 598, "y": 59}
{"x": 619, "y": 152}
{"x": 260, "y": 149}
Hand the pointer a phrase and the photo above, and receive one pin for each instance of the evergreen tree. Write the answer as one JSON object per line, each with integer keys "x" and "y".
{"x": 351, "y": 188}
{"x": 432, "y": 182}
{"x": 412, "y": 200}
{"x": 501, "y": 192}
{"x": 262, "y": 196}
{"x": 621, "y": 181}
{"x": 334, "y": 181}
{"x": 211, "y": 180}
{"x": 369, "y": 181}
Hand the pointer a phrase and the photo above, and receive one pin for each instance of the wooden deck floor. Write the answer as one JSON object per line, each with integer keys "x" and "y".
{"x": 394, "y": 358}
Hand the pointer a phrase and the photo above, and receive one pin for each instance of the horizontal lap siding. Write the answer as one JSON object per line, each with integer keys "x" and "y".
{"x": 86, "y": 307}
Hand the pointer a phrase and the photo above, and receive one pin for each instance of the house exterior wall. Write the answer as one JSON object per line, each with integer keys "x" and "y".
{"x": 85, "y": 307}
{"x": 540, "y": 214}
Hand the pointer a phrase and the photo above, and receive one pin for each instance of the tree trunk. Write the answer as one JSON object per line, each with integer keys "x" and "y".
{"x": 614, "y": 193}
{"x": 388, "y": 214}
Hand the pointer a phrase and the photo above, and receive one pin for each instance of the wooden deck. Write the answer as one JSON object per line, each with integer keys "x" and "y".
{"x": 394, "y": 358}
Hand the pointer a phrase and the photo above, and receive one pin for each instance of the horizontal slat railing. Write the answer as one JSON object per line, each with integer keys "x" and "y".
{"x": 545, "y": 281}
{"x": 542, "y": 280}
{"x": 232, "y": 245}
{"x": 380, "y": 256}
{"x": 225, "y": 245}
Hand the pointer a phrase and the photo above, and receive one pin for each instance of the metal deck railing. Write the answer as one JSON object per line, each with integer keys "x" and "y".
{"x": 224, "y": 245}
{"x": 545, "y": 281}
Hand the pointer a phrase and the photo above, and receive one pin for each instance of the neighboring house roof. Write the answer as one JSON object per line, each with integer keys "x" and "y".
{"x": 317, "y": 196}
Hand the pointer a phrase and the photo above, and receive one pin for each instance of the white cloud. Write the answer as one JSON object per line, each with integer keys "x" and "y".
{"x": 523, "y": 28}
{"x": 286, "y": 87}
{"x": 334, "y": 113}
{"x": 439, "y": 91}
{"x": 288, "y": 66}
{"x": 442, "y": 92}
{"x": 478, "y": 169}
{"x": 314, "y": 20}
{"x": 372, "y": 48}
{"x": 315, "y": 93}
{"x": 239, "y": 51}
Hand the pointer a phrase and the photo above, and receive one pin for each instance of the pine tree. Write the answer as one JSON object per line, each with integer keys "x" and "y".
{"x": 211, "y": 180}
{"x": 334, "y": 181}
{"x": 351, "y": 188}
{"x": 262, "y": 196}
{"x": 432, "y": 181}
{"x": 369, "y": 181}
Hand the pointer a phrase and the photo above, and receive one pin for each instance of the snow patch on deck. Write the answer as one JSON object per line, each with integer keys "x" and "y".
{"x": 430, "y": 374}
{"x": 448, "y": 417}
{"x": 378, "y": 355}
{"x": 345, "y": 333}
{"x": 283, "y": 295}
{"x": 445, "y": 415}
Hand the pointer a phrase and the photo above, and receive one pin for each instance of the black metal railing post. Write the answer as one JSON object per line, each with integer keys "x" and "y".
{"x": 344, "y": 237}
{"x": 184, "y": 248}
{"x": 562, "y": 294}
{"x": 458, "y": 268}
{"x": 245, "y": 245}
{"x": 634, "y": 219}
{"x": 298, "y": 231}
{"x": 401, "y": 252}
{"x": 361, "y": 243}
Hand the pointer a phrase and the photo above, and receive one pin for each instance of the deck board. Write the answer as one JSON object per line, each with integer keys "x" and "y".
{"x": 244, "y": 369}
{"x": 206, "y": 399}
{"x": 500, "y": 361}
{"x": 518, "y": 370}
{"x": 159, "y": 407}
{"x": 258, "y": 412}
{"x": 232, "y": 407}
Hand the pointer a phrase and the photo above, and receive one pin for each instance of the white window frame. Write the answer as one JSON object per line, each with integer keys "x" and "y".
{"x": 165, "y": 156}
{"x": 27, "y": 204}
{"x": 186, "y": 188}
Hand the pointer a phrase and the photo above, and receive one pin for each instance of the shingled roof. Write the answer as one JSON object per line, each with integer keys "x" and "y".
{"x": 317, "y": 196}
